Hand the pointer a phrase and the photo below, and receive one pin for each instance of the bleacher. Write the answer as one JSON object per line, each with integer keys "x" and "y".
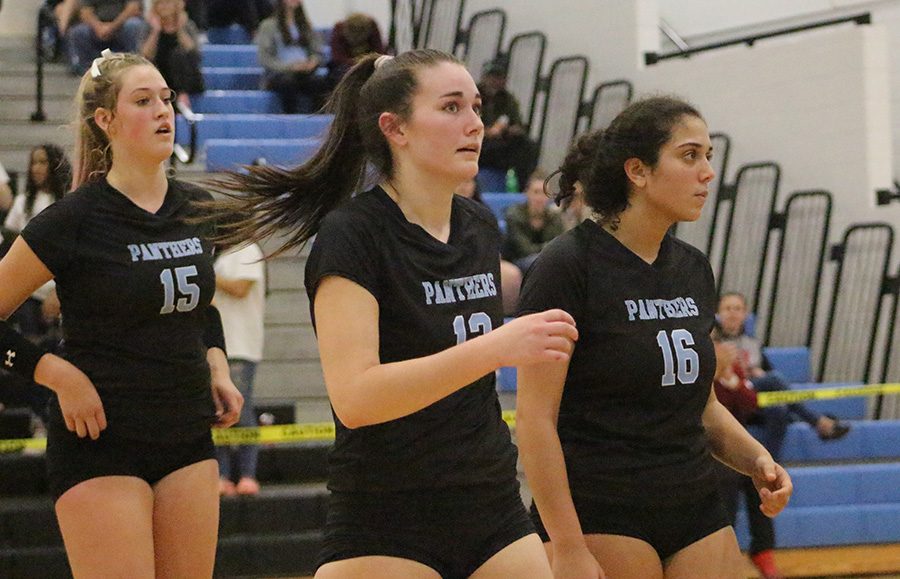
{"x": 847, "y": 491}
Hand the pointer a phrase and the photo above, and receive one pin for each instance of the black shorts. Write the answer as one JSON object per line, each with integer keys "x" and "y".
{"x": 668, "y": 528}
{"x": 452, "y": 531}
{"x": 72, "y": 460}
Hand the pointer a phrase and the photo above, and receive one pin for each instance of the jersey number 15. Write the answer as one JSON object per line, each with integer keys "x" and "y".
{"x": 188, "y": 290}
{"x": 688, "y": 362}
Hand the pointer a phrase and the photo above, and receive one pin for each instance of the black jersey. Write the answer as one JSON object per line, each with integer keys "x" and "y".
{"x": 133, "y": 288}
{"x": 641, "y": 372}
{"x": 431, "y": 296}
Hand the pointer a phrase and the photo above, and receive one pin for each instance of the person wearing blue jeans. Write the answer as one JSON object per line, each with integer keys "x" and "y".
{"x": 114, "y": 24}
{"x": 240, "y": 297}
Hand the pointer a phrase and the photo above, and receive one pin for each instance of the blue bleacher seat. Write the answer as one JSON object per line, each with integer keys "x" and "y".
{"x": 845, "y": 408}
{"x": 229, "y": 55}
{"x": 234, "y": 34}
{"x": 236, "y": 101}
{"x": 230, "y": 154}
{"x": 215, "y": 126}
{"x": 867, "y": 440}
{"x": 491, "y": 180}
{"x": 838, "y": 505}
{"x": 792, "y": 363}
{"x": 232, "y": 78}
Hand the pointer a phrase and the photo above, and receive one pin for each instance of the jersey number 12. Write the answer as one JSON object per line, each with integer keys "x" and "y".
{"x": 478, "y": 322}
{"x": 688, "y": 362}
{"x": 188, "y": 290}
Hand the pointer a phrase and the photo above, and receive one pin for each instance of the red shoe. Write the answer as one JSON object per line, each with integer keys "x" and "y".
{"x": 765, "y": 562}
{"x": 226, "y": 488}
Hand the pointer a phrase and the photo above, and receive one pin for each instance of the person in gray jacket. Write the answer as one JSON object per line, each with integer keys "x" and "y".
{"x": 290, "y": 53}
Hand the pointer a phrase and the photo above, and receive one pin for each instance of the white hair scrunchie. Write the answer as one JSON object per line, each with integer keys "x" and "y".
{"x": 95, "y": 66}
{"x": 379, "y": 62}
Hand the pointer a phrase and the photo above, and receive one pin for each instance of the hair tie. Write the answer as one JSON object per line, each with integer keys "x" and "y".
{"x": 379, "y": 62}
{"x": 95, "y": 66}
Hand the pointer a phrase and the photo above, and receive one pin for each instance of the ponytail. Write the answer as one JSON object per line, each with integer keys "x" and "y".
{"x": 269, "y": 199}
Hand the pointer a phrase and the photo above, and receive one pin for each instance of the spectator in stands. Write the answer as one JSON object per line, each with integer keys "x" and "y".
{"x": 290, "y": 53}
{"x": 506, "y": 143}
{"x": 403, "y": 296}
{"x": 171, "y": 43}
{"x": 49, "y": 178}
{"x": 732, "y": 314}
{"x": 530, "y": 225}
{"x": 510, "y": 275}
{"x": 114, "y": 24}
{"x": 352, "y": 38}
{"x": 736, "y": 393}
{"x": 247, "y": 13}
{"x": 129, "y": 453}
{"x": 65, "y": 12}
{"x": 618, "y": 442}
{"x": 241, "y": 299}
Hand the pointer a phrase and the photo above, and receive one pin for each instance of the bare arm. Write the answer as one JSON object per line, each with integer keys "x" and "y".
{"x": 131, "y": 9}
{"x": 538, "y": 396}
{"x": 22, "y": 272}
{"x": 363, "y": 391}
{"x": 226, "y": 396}
{"x": 238, "y": 288}
{"x": 733, "y": 445}
{"x": 6, "y": 197}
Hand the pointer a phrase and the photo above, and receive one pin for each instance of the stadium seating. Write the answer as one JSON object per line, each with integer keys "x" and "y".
{"x": 253, "y": 126}
{"x": 228, "y": 154}
{"x": 236, "y": 102}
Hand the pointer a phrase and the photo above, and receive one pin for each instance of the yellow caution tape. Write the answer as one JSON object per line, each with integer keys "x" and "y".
{"x": 276, "y": 434}
{"x": 793, "y": 396}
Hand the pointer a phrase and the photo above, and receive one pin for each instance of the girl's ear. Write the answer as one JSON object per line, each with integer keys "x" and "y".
{"x": 636, "y": 171}
{"x": 393, "y": 129}
{"x": 103, "y": 118}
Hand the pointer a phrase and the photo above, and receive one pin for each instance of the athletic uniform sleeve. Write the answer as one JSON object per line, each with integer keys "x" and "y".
{"x": 53, "y": 235}
{"x": 556, "y": 280}
{"x": 345, "y": 247}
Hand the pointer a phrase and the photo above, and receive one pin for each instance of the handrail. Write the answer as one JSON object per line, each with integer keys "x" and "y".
{"x": 178, "y": 152}
{"x": 45, "y": 20}
{"x": 654, "y": 57}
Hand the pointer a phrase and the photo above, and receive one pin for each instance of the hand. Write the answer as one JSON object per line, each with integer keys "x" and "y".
{"x": 774, "y": 486}
{"x": 104, "y": 30}
{"x": 575, "y": 563}
{"x": 182, "y": 20}
{"x": 228, "y": 400}
{"x": 543, "y": 337}
{"x": 79, "y": 402}
{"x": 726, "y": 353}
{"x": 154, "y": 22}
{"x": 50, "y": 307}
{"x": 495, "y": 130}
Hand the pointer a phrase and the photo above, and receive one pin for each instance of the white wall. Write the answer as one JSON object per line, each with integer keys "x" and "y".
{"x": 19, "y": 17}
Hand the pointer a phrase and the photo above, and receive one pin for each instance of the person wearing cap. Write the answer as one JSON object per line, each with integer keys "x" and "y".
{"x": 506, "y": 144}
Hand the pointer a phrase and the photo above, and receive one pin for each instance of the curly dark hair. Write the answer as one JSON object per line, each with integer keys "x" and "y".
{"x": 597, "y": 159}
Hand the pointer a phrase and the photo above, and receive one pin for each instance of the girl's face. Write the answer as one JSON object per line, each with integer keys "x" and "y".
{"x": 444, "y": 131}
{"x": 679, "y": 184}
{"x": 40, "y": 167}
{"x": 143, "y": 124}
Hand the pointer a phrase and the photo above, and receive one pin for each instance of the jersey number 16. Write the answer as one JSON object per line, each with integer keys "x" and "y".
{"x": 688, "y": 362}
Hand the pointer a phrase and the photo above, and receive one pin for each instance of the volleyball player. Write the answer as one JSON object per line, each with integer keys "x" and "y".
{"x": 130, "y": 454}
{"x": 618, "y": 443}
{"x": 404, "y": 285}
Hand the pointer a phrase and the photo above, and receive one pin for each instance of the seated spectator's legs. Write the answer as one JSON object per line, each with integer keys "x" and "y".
{"x": 128, "y": 37}
{"x": 774, "y": 421}
{"x": 182, "y": 71}
{"x": 516, "y": 152}
{"x": 774, "y": 382}
{"x": 292, "y": 87}
{"x": 84, "y": 47}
